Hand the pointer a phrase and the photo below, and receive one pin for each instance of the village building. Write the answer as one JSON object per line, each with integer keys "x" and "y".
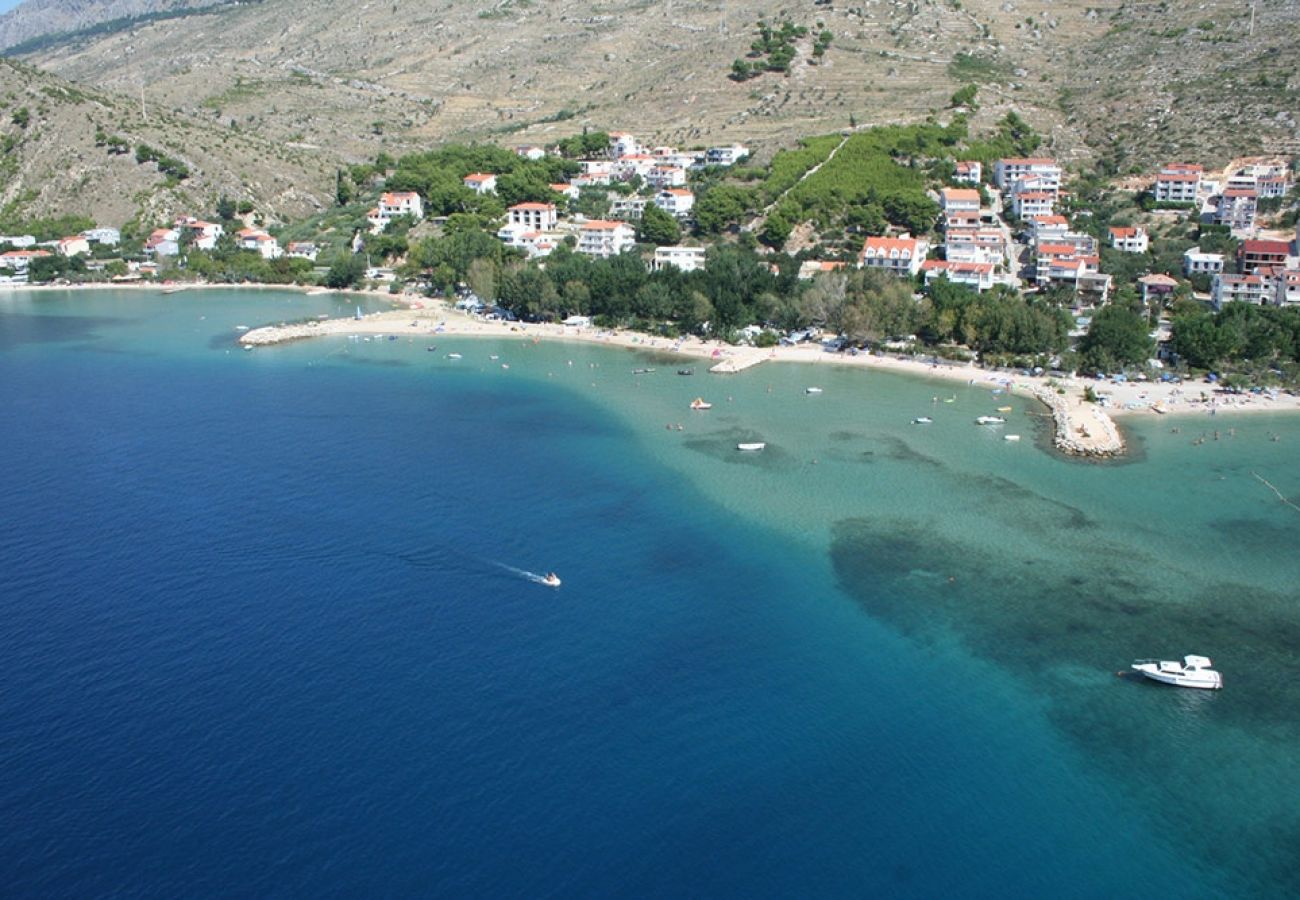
{"x": 75, "y": 245}
{"x": 1196, "y": 262}
{"x": 621, "y": 144}
{"x": 975, "y": 275}
{"x": 1129, "y": 239}
{"x": 1178, "y": 183}
{"x": 1229, "y": 288}
{"x": 1047, "y": 227}
{"x": 1257, "y": 253}
{"x": 811, "y": 268}
{"x": 1028, "y": 204}
{"x": 960, "y": 201}
{"x": 570, "y": 191}
{"x": 1156, "y": 288}
{"x": 1287, "y": 287}
{"x": 1007, "y": 172}
{"x": 661, "y": 176}
{"x": 163, "y": 242}
{"x": 628, "y": 209}
{"x": 531, "y": 152}
{"x": 481, "y": 182}
{"x": 968, "y": 172}
{"x": 202, "y": 235}
{"x": 675, "y": 201}
{"x": 603, "y": 238}
{"x": 109, "y": 237}
{"x": 727, "y": 155}
{"x": 1236, "y": 209}
{"x": 687, "y": 259}
{"x": 303, "y": 250}
{"x": 533, "y": 216}
{"x": 258, "y": 241}
{"x": 896, "y": 255}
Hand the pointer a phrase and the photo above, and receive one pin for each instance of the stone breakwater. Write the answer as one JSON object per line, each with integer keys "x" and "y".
{"x": 1082, "y": 428}
{"x": 279, "y": 334}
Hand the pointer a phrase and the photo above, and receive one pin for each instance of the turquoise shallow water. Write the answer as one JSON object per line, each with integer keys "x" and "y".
{"x": 262, "y": 632}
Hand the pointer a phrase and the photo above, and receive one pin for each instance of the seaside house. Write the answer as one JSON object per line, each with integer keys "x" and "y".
{"x": 1047, "y": 228}
{"x": 534, "y": 243}
{"x": 1236, "y": 208}
{"x": 687, "y": 259}
{"x": 975, "y": 275}
{"x": 481, "y": 182}
{"x": 603, "y": 238}
{"x": 960, "y": 202}
{"x": 1129, "y": 239}
{"x": 1156, "y": 288}
{"x": 204, "y": 235}
{"x": 76, "y": 245}
{"x": 258, "y": 241}
{"x": 401, "y": 203}
{"x": 1196, "y": 262}
{"x": 675, "y": 201}
{"x": 968, "y": 172}
{"x": 18, "y": 260}
{"x": 532, "y": 216}
{"x": 1007, "y": 172}
{"x": 811, "y": 268}
{"x": 1229, "y": 288}
{"x": 1272, "y": 186}
{"x": 621, "y": 144}
{"x": 1287, "y": 287}
{"x": 1028, "y": 204}
{"x": 976, "y": 245}
{"x": 303, "y": 250}
{"x": 531, "y": 152}
{"x": 634, "y": 165}
{"x": 661, "y": 176}
{"x": 109, "y": 237}
{"x": 1178, "y": 183}
{"x": 896, "y": 255}
{"x": 1255, "y": 254}
{"x": 18, "y": 241}
{"x": 727, "y": 155}
{"x": 628, "y": 209}
{"x": 163, "y": 242}
{"x": 569, "y": 191}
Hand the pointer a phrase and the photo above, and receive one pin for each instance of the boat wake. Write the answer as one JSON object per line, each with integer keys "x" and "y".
{"x": 549, "y": 579}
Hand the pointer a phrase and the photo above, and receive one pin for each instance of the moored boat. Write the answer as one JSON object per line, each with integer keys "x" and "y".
{"x": 1004, "y": 409}
{"x": 1010, "y": 437}
{"x": 701, "y": 403}
{"x": 812, "y": 390}
{"x": 990, "y": 420}
{"x": 753, "y": 446}
{"x": 922, "y": 420}
{"x": 685, "y": 371}
{"x": 1193, "y": 672}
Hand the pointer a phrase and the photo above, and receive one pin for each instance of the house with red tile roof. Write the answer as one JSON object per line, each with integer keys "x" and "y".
{"x": 896, "y": 255}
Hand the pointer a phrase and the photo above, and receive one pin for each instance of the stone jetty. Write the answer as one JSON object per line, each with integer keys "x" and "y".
{"x": 1082, "y": 428}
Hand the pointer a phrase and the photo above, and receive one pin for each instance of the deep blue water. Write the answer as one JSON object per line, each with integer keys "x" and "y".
{"x": 262, "y": 636}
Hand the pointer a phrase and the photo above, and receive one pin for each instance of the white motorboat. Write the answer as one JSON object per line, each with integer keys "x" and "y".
{"x": 551, "y": 580}
{"x": 812, "y": 390}
{"x": 757, "y": 445}
{"x": 453, "y": 356}
{"x": 990, "y": 420}
{"x": 1011, "y": 437}
{"x": 1192, "y": 672}
{"x": 701, "y": 403}
{"x": 922, "y": 420}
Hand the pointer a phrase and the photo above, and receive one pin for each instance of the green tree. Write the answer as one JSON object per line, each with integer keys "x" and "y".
{"x": 658, "y": 227}
{"x": 720, "y": 208}
{"x": 346, "y": 271}
{"x": 1117, "y": 337}
{"x": 965, "y": 96}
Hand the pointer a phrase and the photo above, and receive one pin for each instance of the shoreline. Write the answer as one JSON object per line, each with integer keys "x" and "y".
{"x": 1082, "y": 428}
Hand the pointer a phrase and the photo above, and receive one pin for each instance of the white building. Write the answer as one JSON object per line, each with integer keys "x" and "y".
{"x": 688, "y": 259}
{"x": 76, "y": 245}
{"x": 1130, "y": 239}
{"x": 976, "y": 245}
{"x": 976, "y": 275}
{"x": 533, "y": 216}
{"x": 1236, "y": 209}
{"x": 603, "y": 238}
{"x": 569, "y": 191}
{"x": 19, "y": 241}
{"x": 1047, "y": 228}
{"x": 1178, "y": 183}
{"x": 1287, "y": 285}
{"x": 109, "y": 237}
{"x": 621, "y": 144}
{"x": 531, "y": 152}
{"x": 662, "y": 176}
{"x": 960, "y": 201}
{"x": 163, "y": 242}
{"x": 399, "y": 203}
{"x": 1197, "y": 263}
{"x": 968, "y": 171}
{"x": 628, "y": 209}
{"x": 1227, "y": 288}
{"x": 303, "y": 250}
{"x": 675, "y": 201}
{"x": 481, "y": 182}
{"x": 1008, "y": 171}
{"x": 203, "y": 234}
{"x": 899, "y": 256}
{"x": 258, "y": 241}
{"x": 1028, "y": 204}
{"x": 727, "y": 155}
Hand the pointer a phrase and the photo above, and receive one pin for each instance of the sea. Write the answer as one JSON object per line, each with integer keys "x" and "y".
{"x": 272, "y": 624}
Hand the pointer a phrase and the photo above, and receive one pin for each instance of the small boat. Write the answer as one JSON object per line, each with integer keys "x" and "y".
{"x": 1192, "y": 672}
{"x": 685, "y": 371}
{"x": 701, "y": 403}
{"x": 949, "y": 399}
{"x": 431, "y": 347}
{"x": 757, "y": 445}
{"x": 551, "y": 580}
{"x": 357, "y": 314}
{"x": 453, "y": 356}
{"x": 812, "y": 390}
{"x": 505, "y": 365}
{"x": 990, "y": 420}
{"x": 241, "y": 327}
{"x": 1004, "y": 409}
{"x": 643, "y": 371}
{"x": 1011, "y": 437}
{"x": 922, "y": 420}
{"x": 494, "y": 357}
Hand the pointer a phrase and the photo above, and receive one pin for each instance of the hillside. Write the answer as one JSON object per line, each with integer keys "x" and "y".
{"x": 35, "y": 18}
{"x": 69, "y": 149}
{"x": 1130, "y": 83}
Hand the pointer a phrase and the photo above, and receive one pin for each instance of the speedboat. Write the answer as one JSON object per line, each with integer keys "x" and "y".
{"x": 922, "y": 420}
{"x": 990, "y": 420}
{"x": 685, "y": 371}
{"x": 1192, "y": 672}
{"x": 1011, "y": 437}
{"x": 643, "y": 371}
{"x": 1004, "y": 409}
{"x": 551, "y": 580}
{"x": 812, "y": 390}
{"x": 453, "y": 356}
{"x": 701, "y": 403}
{"x": 757, "y": 445}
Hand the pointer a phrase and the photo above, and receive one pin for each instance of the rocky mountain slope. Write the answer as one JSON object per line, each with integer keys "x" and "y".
{"x": 66, "y": 149}
{"x": 333, "y": 80}
{"x": 35, "y": 18}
